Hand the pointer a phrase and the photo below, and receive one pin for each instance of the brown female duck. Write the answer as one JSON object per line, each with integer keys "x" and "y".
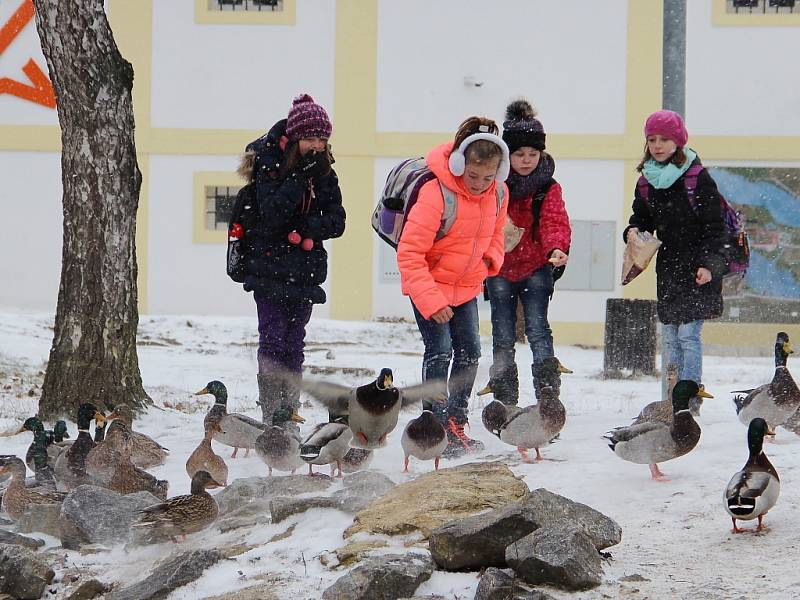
{"x": 205, "y": 459}
{"x": 17, "y": 496}
{"x": 145, "y": 451}
{"x": 180, "y": 515}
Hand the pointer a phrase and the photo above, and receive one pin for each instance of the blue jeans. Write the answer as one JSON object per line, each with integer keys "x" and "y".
{"x": 534, "y": 292}
{"x": 681, "y": 346}
{"x": 459, "y": 339}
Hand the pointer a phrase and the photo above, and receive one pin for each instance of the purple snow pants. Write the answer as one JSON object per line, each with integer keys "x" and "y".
{"x": 281, "y": 333}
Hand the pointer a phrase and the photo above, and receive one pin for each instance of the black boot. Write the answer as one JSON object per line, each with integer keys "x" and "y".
{"x": 458, "y": 442}
{"x": 545, "y": 376}
{"x": 270, "y": 392}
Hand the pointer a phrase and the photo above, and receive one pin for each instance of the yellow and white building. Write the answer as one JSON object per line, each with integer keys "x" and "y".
{"x": 397, "y": 77}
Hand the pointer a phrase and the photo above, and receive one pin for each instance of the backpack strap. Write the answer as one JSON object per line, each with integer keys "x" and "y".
{"x": 690, "y": 182}
{"x": 448, "y": 212}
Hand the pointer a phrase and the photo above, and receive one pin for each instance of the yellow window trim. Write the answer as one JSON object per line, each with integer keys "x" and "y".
{"x": 720, "y": 17}
{"x": 200, "y": 233}
{"x": 205, "y": 16}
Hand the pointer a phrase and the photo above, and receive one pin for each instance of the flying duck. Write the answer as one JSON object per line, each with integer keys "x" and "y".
{"x": 373, "y": 408}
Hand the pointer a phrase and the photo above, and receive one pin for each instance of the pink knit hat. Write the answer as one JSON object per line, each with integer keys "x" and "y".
{"x": 669, "y": 124}
{"x": 307, "y": 119}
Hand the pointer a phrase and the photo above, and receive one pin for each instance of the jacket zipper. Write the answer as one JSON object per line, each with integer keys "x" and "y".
{"x": 472, "y": 255}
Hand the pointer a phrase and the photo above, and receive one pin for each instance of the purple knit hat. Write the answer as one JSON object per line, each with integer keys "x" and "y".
{"x": 669, "y": 124}
{"x": 307, "y": 119}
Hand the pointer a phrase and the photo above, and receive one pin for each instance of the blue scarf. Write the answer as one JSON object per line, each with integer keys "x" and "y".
{"x": 663, "y": 175}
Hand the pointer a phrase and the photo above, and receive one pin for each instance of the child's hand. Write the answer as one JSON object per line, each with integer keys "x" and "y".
{"x": 703, "y": 276}
{"x": 558, "y": 258}
{"x": 443, "y": 315}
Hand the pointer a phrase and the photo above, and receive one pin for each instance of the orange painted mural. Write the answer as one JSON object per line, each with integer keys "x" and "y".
{"x": 38, "y": 89}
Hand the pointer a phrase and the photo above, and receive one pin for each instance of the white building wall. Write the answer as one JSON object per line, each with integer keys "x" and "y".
{"x": 239, "y": 76}
{"x": 30, "y": 229}
{"x": 568, "y": 57}
{"x": 740, "y": 80}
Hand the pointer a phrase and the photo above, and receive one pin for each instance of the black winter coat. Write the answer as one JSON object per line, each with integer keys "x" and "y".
{"x": 275, "y": 267}
{"x": 691, "y": 238}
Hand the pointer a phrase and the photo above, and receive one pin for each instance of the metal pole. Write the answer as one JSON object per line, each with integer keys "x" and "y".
{"x": 673, "y": 88}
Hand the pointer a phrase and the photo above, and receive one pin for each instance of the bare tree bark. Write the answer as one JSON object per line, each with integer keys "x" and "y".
{"x": 93, "y": 356}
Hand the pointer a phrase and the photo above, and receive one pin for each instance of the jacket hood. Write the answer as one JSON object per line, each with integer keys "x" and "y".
{"x": 437, "y": 160}
{"x": 269, "y": 148}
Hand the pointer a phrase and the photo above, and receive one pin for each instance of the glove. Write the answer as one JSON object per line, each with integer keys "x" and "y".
{"x": 313, "y": 164}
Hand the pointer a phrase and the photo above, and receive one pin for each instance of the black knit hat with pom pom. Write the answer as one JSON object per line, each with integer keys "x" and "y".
{"x": 521, "y": 127}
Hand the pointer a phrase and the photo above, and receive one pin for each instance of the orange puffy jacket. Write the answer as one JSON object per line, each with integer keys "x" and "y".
{"x": 450, "y": 271}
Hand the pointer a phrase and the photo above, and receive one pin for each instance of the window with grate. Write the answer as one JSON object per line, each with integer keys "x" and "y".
{"x": 760, "y": 7}
{"x": 245, "y": 5}
{"x": 219, "y": 203}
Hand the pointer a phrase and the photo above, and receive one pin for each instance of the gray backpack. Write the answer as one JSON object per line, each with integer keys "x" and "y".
{"x": 400, "y": 195}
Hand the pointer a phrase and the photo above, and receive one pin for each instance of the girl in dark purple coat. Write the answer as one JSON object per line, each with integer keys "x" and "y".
{"x": 300, "y": 206}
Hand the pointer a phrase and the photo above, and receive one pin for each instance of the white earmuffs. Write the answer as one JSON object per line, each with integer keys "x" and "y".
{"x": 458, "y": 162}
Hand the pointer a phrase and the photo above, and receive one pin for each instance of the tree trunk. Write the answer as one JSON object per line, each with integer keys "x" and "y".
{"x": 93, "y": 357}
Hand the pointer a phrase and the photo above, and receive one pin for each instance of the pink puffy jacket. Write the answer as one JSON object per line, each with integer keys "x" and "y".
{"x": 450, "y": 271}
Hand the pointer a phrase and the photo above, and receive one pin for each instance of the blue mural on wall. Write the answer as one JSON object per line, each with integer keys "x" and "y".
{"x": 769, "y": 200}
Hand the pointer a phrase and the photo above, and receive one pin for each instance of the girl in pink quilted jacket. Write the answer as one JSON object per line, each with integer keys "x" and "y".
{"x": 444, "y": 277}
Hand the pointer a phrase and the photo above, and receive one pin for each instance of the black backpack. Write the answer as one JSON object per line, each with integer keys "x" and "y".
{"x": 538, "y": 200}
{"x": 244, "y": 218}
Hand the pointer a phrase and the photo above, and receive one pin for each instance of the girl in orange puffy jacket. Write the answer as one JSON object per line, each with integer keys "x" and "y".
{"x": 444, "y": 277}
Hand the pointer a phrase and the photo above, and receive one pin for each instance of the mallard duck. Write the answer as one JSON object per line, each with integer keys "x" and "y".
{"x": 40, "y": 445}
{"x": 549, "y": 375}
{"x": 205, "y": 459}
{"x": 777, "y": 401}
{"x": 180, "y": 515}
{"x": 372, "y": 409}
{"x": 326, "y": 445}
{"x": 145, "y": 451}
{"x": 424, "y": 438}
{"x": 652, "y": 442}
{"x": 17, "y": 497}
{"x": 70, "y": 466}
{"x": 529, "y": 427}
{"x": 754, "y": 490}
{"x": 279, "y": 445}
{"x": 236, "y": 430}
{"x": 109, "y": 463}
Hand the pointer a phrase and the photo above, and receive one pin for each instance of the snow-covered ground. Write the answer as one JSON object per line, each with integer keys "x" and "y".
{"x": 676, "y": 535}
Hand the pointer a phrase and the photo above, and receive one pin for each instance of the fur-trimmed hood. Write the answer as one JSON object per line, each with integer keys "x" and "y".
{"x": 266, "y": 152}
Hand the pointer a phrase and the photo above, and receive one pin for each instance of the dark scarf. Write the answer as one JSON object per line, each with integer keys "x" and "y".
{"x": 526, "y": 187}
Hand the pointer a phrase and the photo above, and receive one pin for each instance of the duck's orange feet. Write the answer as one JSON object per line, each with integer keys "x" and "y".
{"x": 524, "y": 454}
{"x": 235, "y": 450}
{"x": 657, "y": 475}
{"x": 405, "y": 465}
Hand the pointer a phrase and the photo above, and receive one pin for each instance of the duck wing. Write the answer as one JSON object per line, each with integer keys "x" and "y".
{"x": 334, "y": 396}
{"x": 631, "y": 432}
{"x": 747, "y": 484}
{"x": 249, "y": 420}
{"x": 434, "y": 391}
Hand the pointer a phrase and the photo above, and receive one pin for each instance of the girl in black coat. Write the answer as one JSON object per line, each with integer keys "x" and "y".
{"x": 300, "y": 206}
{"x": 690, "y": 264}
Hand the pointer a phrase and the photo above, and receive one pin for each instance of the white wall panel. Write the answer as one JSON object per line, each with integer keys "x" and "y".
{"x": 740, "y": 80}
{"x": 567, "y": 57}
{"x": 30, "y": 229}
{"x": 184, "y": 277}
{"x": 238, "y": 76}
